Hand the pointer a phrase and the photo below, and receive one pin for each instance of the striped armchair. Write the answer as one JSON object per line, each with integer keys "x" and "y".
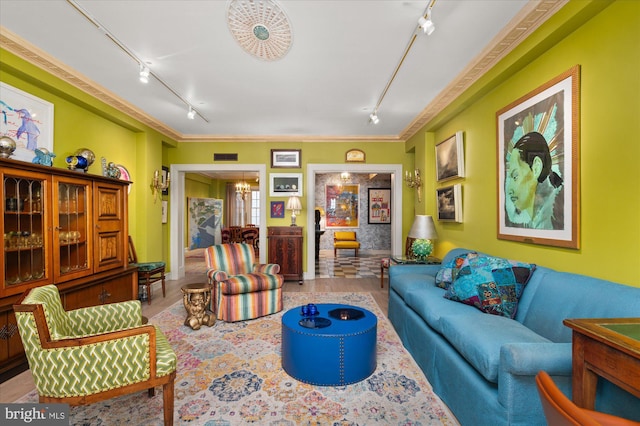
{"x": 242, "y": 289}
{"x": 91, "y": 354}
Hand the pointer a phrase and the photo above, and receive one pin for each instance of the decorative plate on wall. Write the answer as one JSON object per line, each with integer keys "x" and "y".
{"x": 124, "y": 175}
{"x": 355, "y": 156}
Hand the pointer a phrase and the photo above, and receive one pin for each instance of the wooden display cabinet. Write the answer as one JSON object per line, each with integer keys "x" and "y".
{"x": 60, "y": 227}
{"x": 285, "y": 249}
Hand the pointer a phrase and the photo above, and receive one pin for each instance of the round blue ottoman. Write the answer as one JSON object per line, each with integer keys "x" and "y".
{"x": 337, "y": 347}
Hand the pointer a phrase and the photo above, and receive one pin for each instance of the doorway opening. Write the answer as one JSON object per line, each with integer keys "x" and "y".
{"x": 178, "y": 215}
{"x": 395, "y": 170}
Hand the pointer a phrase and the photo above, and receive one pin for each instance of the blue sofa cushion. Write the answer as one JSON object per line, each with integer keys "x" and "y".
{"x": 492, "y": 284}
{"x": 449, "y": 271}
{"x": 478, "y": 338}
{"x": 428, "y": 302}
{"x": 409, "y": 282}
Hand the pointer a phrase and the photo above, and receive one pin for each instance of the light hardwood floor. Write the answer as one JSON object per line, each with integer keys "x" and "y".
{"x": 21, "y": 384}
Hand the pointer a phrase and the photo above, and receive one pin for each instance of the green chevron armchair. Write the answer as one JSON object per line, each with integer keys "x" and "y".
{"x": 91, "y": 354}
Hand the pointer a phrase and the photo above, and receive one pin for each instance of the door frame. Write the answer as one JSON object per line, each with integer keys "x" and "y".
{"x": 395, "y": 170}
{"x": 177, "y": 210}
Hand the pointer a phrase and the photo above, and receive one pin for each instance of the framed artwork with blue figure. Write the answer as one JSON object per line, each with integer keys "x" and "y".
{"x": 538, "y": 165}
{"x": 28, "y": 120}
{"x": 205, "y": 222}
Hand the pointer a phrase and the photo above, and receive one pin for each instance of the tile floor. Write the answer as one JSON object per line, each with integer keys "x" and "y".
{"x": 366, "y": 265}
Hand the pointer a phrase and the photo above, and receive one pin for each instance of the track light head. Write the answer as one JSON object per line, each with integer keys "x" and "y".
{"x": 427, "y": 25}
{"x": 191, "y": 114}
{"x": 144, "y": 74}
{"x": 373, "y": 117}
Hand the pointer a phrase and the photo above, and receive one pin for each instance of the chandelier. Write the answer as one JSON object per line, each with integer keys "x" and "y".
{"x": 242, "y": 188}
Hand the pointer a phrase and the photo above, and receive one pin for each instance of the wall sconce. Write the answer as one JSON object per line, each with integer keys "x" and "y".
{"x": 414, "y": 181}
{"x": 157, "y": 185}
{"x": 344, "y": 176}
{"x": 294, "y": 204}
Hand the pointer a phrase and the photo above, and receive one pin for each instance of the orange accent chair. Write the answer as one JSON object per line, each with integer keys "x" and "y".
{"x": 561, "y": 411}
{"x": 345, "y": 240}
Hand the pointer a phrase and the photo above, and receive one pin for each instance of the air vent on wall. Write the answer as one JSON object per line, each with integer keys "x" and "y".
{"x": 225, "y": 157}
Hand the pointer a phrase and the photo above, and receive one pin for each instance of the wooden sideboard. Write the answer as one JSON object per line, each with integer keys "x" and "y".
{"x": 60, "y": 227}
{"x": 285, "y": 249}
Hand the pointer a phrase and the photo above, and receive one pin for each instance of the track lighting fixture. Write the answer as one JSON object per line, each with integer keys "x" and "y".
{"x": 144, "y": 74}
{"x": 427, "y": 25}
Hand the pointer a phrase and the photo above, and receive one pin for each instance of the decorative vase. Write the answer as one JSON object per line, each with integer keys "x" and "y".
{"x": 43, "y": 156}
{"x": 7, "y": 146}
{"x": 85, "y": 158}
{"x": 421, "y": 248}
{"x": 76, "y": 162}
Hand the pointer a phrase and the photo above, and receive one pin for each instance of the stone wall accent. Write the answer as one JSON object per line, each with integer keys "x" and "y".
{"x": 371, "y": 237}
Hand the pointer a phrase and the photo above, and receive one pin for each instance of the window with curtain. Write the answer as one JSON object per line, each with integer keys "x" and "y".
{"x": 238, "y": 209}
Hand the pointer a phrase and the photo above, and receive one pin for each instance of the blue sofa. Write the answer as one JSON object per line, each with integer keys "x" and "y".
{"x": 483, "y": 366}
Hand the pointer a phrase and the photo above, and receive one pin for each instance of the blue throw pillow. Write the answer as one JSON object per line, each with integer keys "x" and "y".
{"x": 492, "y": 284}
{"x": 449, "y": 271}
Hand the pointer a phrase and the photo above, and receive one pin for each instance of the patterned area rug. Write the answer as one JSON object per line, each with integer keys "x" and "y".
{"x": 231, "y": 374}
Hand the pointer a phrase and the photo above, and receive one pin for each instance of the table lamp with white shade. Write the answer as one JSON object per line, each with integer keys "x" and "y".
{"x": 294, "y": 204}
{"x": 424, "y": 231}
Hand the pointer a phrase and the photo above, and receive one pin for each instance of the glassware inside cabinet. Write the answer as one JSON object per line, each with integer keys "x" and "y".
{"x": 23, "y": 227}
{"x": 72, "y": 227}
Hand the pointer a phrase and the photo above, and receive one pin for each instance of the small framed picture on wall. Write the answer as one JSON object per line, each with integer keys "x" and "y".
{"x": 450, "y": 158}
{"x": 379, "y": 206}
{"x": 449, "y": 202}
{"x": 277, "y": 209}
{"x": 285, "y": 184}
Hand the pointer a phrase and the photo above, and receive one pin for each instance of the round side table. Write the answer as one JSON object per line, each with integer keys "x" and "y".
{"x": 335, "y": 348}
{"x": 195, "y": 298}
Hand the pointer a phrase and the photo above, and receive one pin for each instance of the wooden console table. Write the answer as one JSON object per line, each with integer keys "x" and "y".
{"x": 605, "y": 347}
{"x": 285, "y": 249}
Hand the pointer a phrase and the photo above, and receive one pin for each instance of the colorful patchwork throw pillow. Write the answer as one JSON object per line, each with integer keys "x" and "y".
{"x": 492, "y": 284}
{"x": 449, "y": 271}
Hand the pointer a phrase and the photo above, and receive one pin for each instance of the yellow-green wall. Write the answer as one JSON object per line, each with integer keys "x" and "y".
{"x": 314, "y": 153}
{"x": 81, "y": 121}
{"x": 603, "y": 37}
{"x": 607, "y": 48}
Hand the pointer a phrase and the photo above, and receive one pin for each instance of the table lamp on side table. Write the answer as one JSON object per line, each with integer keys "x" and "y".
{"x": 424, "y": 231}
{"x": 294, "y": 204}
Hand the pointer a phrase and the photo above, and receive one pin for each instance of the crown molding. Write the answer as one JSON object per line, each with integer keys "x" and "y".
{"x": 534, "y": 14}
{"x": 529, "y": 19}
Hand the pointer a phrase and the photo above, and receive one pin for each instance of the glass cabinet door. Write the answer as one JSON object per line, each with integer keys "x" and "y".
{"x": 24, "y": 227}
{"x": 72, "y": 236}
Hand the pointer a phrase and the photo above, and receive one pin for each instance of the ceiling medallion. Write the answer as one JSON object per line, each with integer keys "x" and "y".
{"x": 260, "y": 27}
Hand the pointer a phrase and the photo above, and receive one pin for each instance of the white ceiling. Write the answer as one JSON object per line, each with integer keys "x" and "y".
{"x": 343, "y": 54}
